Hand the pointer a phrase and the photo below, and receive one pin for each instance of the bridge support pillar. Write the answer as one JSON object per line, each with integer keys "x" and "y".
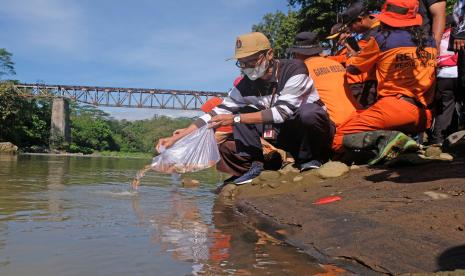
{"x": 60, "y": 129}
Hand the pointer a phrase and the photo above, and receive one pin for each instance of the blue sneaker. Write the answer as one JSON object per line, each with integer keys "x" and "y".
{"x": 310, "y": 165}
{"x": 254, "y": 171}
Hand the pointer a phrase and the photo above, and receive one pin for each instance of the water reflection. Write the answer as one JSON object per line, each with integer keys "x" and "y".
{"x": 75, "y": 216}
{"x": 220, "y": 244}
{"x": 179, "y": 229}
{"x": 7, "y": 163}
{"x": 56, "y": 186}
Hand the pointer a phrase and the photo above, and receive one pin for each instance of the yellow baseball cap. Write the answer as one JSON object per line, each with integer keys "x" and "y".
{"x": 251, "y": 43}
{"x": 336, "y": 30}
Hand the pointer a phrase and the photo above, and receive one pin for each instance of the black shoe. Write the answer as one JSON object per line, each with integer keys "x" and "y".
{"x": 230, "y": 180}
{"x": 254, "y": 171}
{"x": 455, "y": 138}
{"x": 310, "y": 165}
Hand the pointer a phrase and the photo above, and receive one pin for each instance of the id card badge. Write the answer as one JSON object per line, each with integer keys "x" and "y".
{"x": 268, "y": 132}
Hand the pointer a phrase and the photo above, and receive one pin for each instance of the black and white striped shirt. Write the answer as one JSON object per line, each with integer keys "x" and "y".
{"x": 294, "y": 87}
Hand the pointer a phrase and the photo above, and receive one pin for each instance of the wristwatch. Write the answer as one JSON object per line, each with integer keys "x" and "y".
{"x": 237, "y": 119}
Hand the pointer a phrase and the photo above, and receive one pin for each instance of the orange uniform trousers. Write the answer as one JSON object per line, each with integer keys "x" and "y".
{"x": 388, "y": 113}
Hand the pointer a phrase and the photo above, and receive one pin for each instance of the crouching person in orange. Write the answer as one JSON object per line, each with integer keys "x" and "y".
{"x": 404, "y": 60}
{"x": 328, "y": 76}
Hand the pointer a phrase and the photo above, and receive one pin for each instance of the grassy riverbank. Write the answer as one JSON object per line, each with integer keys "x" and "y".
{"x": 120, "y": 154}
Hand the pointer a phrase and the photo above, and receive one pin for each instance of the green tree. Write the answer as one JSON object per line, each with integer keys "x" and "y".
{"x": 450, "y": 5}
{"x": 94, "y": 134}
{"x": 94, "y": 130}
{"x": 23, "y": 121}
{"x": 6, "y": 63}
{"x": 90, "y": 129}
{"x": 281, "y": 29}
{"x": 139, "y": 136}
{"x": 320, "y": 15}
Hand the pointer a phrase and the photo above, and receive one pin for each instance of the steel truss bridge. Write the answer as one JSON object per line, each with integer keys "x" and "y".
{"x": 122, "y": 97}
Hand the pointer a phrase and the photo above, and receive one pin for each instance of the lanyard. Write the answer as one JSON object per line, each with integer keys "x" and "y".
{"x": 275, "y": 87}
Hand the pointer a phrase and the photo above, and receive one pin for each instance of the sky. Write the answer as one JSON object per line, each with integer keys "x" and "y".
{"x": 121, "y": 43}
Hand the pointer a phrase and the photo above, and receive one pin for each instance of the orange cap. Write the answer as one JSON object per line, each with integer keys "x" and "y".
{"x": 400, "y": 13}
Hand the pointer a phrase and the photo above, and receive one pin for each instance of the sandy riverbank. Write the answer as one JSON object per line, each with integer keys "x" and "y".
{"x": 389, "y": 220}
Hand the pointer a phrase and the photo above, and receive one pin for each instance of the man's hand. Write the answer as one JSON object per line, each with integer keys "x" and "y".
{"x": 178, "y": 131}
{"x": 164, "y": 143}
{"x": 350, "y": 51}
{"x": 459, "y": 45}
{"x": 221, "y": 120}
{"x": 167, "y": 142}
{"x": 342, "y": 38}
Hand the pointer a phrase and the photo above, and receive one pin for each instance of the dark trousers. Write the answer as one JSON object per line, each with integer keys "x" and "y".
{"x": 447, "y": 97}
{"x": 307, "y": 135}
{"x": 365, "y": 93}
{"x": 461, "y": 68}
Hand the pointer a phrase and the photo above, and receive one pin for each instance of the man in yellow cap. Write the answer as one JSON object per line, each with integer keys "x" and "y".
{"x": 358, "y": 20}
{"x": 276, "y": 100}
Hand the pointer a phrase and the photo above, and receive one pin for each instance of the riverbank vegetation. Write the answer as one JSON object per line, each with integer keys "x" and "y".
{"x": 94, "y": 130}
{"x": 25, "y": 122}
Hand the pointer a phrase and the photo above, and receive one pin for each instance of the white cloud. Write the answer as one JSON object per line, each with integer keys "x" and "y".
{"x": 142, "y": 43}
{"x": 47, "y": 24}
{"x": 183, "y": 58}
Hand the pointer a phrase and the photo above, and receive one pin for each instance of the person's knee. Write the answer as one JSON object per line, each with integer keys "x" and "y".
{"x": 313, "y": 115}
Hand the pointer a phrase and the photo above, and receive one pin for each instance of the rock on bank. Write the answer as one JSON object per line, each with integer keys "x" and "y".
{"x": 7, "y": 147}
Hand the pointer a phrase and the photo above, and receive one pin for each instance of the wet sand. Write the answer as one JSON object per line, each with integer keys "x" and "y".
{"x": 389, "y": 221}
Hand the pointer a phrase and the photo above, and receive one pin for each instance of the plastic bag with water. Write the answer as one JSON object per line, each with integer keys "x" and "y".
{"x": 194, "y": 152}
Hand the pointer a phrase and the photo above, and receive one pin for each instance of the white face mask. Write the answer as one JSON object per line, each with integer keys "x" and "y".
{"x": 257, "y": 72}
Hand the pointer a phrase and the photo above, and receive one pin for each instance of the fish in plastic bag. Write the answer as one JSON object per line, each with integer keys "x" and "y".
{"x": 194, "y": 152}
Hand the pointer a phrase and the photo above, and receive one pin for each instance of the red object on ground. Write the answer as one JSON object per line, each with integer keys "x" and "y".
{"x": 328, "y": 199}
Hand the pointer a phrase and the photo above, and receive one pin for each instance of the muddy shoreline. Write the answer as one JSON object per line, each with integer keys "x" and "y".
{"x": 389, "y": 221}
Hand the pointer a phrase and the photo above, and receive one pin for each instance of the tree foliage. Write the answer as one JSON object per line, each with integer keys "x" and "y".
{"x": 23, "y": 121}
{"x": 308, "y": 15}
{"x": 281, "y": 29}
{"x": 90, "y": 131}
{"x": 93, "y": 129}
{"x": 6, "y": 63}
{"x": 450, "y": 5}
{"x": 139, "y": 136}
{"x": 320, "y": 15}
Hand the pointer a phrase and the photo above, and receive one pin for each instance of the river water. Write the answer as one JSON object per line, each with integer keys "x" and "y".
{"x": 75, "y": 216}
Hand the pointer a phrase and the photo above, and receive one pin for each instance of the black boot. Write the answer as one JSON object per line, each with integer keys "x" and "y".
{"x": 383, "y": 144}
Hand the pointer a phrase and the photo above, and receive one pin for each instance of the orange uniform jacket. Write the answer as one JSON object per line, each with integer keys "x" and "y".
{"x": 341, "y": 56}
{"x": 400, "y": 69}
{"x": 329, "y": 79}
